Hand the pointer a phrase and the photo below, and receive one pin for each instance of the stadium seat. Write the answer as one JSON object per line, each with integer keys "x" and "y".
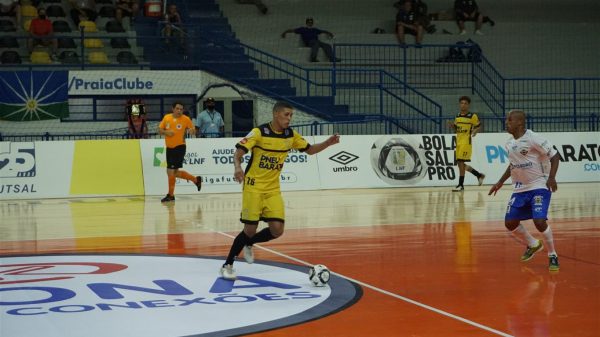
{"x": 93, "y": 43}
{"x": 107, "y": 12}
{"x": 98, "y": 57}
{"x": 28, "y": 11}
{"x": 114, "y": 26}
{"x": 10, "y": 57}
{"x": 66, "y": 43}
{"x": 40, "y": 57}
{"x": 69, "y": 57}
{"x": 119, "y": 43}
{"x": 7, "y": 26}
{"x": 126, "y": 57}
{"x": 55, "y": 11}
{"x": 88, "y": 26}
{"x": 26, "y": 24}
{"x": 9, "y": 42}
{"x": 61, "y": 26}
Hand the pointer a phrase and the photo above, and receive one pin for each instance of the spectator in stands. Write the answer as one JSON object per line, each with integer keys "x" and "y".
{"x": 468, "y": 10}
{"x": 209, "y": 123}
{"x": 259, "y": 4}
{"x": 173, "y": 25}
{"x": 407, "y": 23}
{"x": 128, "y": 8}
{"x": 310, "y": 38}
{"x": 83, "y": 10}
{"x": 42, "y": 33}
{"x": 11, "y": 8}
{"x": 421, "y": 10}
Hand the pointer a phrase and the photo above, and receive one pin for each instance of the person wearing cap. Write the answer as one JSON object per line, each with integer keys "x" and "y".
{"x": 310, "y": 37}
{"x": 209, "y": 123}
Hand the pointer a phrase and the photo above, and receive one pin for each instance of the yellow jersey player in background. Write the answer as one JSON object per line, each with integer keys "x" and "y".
{"x": 269, "y": 145}
{"x": 467, "y": 125}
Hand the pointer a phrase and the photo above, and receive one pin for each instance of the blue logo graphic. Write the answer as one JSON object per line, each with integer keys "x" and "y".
{"x": 17, "y": 160}
{"x": 496, "y": 153}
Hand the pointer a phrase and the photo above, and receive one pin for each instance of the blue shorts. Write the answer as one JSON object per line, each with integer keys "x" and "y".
{"x": 529, "y": 205}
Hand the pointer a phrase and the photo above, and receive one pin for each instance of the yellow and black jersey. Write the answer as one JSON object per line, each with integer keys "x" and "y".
{"x": 268, "y": 152}
{"x": 465, "y": 124}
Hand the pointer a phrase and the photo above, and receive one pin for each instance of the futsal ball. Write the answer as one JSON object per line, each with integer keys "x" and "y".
{"x": 398, "y": 161}
{"x": 319, "y": 275}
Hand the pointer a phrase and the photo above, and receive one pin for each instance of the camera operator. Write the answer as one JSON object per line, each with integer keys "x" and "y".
{"x": 136, "y": 119}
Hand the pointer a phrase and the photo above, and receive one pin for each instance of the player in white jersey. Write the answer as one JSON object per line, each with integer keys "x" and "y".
{"x": 532, "y": 169}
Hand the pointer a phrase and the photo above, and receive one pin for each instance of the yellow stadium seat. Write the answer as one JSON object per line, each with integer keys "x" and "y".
{"x": 93, "y": 43}
{"x": 27, "y": 24}
{"x": 88, "y": 26}
{"x": 40, "y": 57}
{"x": 29, "y": 11}
{"x": 98, "y": 57}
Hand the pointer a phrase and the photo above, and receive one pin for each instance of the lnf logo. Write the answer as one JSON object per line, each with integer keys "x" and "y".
{"x": 159, "y": 159}
{"x": 157, "y": 296}
{"x": 495, "y": 153}
{"x": 17, "y": 160}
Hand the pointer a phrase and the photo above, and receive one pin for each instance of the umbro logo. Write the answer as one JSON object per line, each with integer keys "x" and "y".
{"x": 343, "y": 157}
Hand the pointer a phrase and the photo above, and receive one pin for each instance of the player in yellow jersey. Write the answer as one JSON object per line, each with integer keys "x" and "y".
{"x": 174, "y": 127}
{"x": 269, "y": 145}
{"x": 467, "y": 125}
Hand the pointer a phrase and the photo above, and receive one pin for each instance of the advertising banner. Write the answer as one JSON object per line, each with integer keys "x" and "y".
{"x": 139, "y": 82}
{"x": 579, "y": 155}
{"x": 212, "y": 159}
{"x": 428, "y": 160}
{"x": 34, "y": 170}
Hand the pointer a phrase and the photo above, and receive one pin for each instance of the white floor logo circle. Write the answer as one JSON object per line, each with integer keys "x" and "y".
{"x": 141, "y": 295}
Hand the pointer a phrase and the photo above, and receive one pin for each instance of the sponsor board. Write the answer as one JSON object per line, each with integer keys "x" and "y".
{"x": 579, "y": 155}
{"x": 139, "y": 295}
{"x": 35, "y": 169}
{"x": 139, "y": 82}
{"x": 388, "y": 161}
{"x": 212, "y": 159}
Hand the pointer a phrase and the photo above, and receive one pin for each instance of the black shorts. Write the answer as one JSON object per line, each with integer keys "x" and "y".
{"x": 175, "y": 157}
{"x": 474, "y": 18}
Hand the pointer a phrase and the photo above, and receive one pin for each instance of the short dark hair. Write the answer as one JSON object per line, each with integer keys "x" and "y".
{"x": 465, "y": 98}
{"x": 175, "y": 103}
{"x": 280, "y": 105}
{"x": 309, "y": 19}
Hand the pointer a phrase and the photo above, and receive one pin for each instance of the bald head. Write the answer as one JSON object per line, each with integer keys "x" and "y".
{"x": 515, "y": 122}
{"x": 518, "y": 115}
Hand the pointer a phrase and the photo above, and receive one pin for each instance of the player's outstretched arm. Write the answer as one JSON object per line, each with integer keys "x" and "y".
{"x": 497, "y": 186}
{"x": 316, "y": 148}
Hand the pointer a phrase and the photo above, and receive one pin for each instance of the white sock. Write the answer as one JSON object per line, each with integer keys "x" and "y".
{"x": 549, "y": 240}
{"x": 522, "y": 235}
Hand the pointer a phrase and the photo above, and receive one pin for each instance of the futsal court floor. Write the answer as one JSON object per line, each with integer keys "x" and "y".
{"x": 428, "y": 261}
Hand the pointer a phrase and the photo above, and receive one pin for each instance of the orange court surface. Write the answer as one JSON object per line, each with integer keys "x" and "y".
{"x": 425, "y": 262}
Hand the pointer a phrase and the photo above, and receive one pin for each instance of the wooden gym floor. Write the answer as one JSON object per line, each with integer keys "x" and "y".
{"x": 430, "y": 262}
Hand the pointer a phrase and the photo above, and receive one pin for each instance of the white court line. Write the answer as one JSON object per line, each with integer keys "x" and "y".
{"x": 406, "y": 299}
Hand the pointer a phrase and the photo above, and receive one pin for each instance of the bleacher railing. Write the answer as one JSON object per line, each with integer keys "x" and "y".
{"x": 549, "y": 101}
{"x": 378, "y": 79}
